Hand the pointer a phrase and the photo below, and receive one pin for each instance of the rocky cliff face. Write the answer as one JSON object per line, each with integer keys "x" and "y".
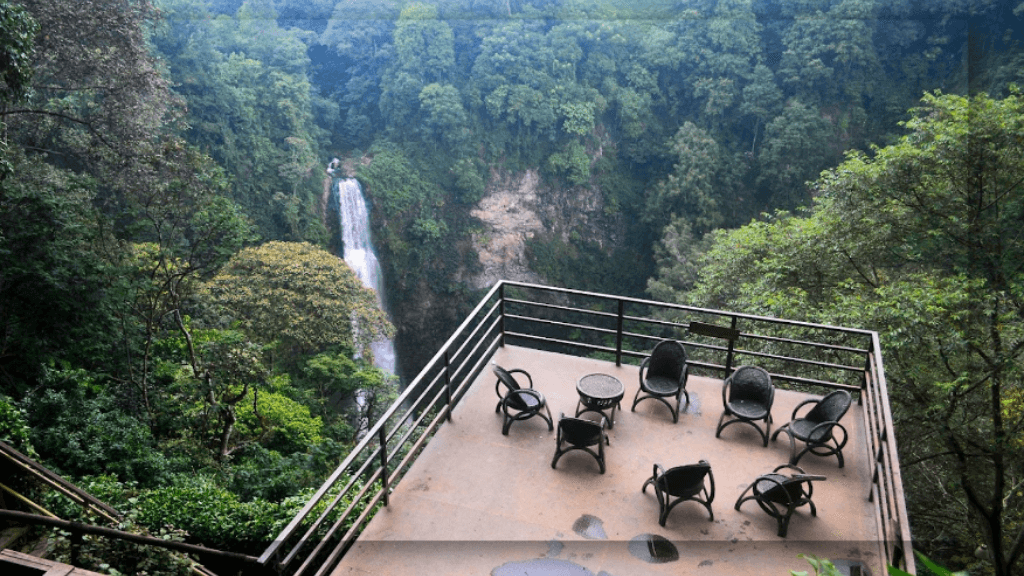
{"x": 519, "y": 207}
{"x": 516, "y": 208}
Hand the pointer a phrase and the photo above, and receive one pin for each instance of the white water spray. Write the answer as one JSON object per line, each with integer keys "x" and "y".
{"x": 359, "y": 255}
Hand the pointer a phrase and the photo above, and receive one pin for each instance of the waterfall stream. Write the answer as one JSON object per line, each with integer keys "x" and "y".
{"x": 359, "y": 255}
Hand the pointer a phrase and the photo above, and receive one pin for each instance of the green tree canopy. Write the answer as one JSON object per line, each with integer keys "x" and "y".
{"x": 301, "y": 296}
{"x": 921, "y": 241}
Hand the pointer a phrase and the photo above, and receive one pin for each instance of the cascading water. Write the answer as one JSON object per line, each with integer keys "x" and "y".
{"x": 359, "y": 255}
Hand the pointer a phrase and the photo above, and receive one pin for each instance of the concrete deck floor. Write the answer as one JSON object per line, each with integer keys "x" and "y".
{"x": 477, "y": 502}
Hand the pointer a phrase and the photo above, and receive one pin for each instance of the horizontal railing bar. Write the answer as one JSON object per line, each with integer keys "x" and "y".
{"x": 431, "y": 427}
{"x": 70, "y": 526}
{"x": 415, "y": 424}
{"x": 822, "y": 345}
{"x": 560, "y": 308}
{"x": 818, "y": 363}
{"x": 411, "y": 409}
{"x": 290, "y": 528}
{"x": 463, "y": 388}
{"x": 559, "y": 341}
{"x": 472, "y": 337}
{"x": 349, "y": 536}
{"x": 749, "y": 335}
{"x": 561, "y": 324}
{"x": 413, "y": 427}
{"x": 683, "y": 307}
{"x": 457, "y": 366}
{"x": 319, "y": 521}
{"x": 479, "y": 342}
{"x": 74, "y": 493}
{"x": 372, "y": 481}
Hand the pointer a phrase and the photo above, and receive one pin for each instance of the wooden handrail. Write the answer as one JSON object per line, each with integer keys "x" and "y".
{"x": 46, "y": 476}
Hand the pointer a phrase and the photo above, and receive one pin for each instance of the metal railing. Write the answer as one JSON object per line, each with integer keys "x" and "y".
{"x": 806, "y": 356}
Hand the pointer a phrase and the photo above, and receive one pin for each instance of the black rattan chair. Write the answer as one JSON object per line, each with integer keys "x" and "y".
{"x": 518, "y": 403}
{"x": 663, "y": 375}
{"x": 780, "y": 495}
{"x": 681, "y": 484}
{"x": 820, "y": 429}
{"x": 581, "y": 434}
{"x": 747, "y": 395}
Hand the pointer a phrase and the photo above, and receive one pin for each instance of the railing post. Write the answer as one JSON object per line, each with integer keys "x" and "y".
{"x": 867, "y": 373}
{"x": 77, "y": 539}
{"x": 384, "y": 463}
{"x": 618, "y": 335}
{"x": 501, "y": 313}
{"x": 732, "y": 345}
{"x": 448, "y": 382}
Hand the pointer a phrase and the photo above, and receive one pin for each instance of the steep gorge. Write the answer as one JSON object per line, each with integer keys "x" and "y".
{"x": 516, "y": 209}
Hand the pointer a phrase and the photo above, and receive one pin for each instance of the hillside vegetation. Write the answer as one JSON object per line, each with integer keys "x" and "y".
{"x": 175, "y": 325}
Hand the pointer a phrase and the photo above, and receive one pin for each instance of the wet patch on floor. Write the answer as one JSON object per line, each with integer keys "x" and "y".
{"x": 554, "y": 548}
{"x": 694, "y": 406}
{"x": 542, "y": 567}
{"x": 590, "y": 527}
{"x": 653, "y": 549}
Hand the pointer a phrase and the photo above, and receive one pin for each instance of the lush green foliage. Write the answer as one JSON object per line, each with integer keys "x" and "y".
{"x": 251, "y": 107}
{"x": 145, "y": 143}
{"x": 919, "y": 240}
{"x": 299, "y": 295}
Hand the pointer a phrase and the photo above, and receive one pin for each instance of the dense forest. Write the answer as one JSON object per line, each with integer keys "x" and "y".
{"x": 179, "y": 336}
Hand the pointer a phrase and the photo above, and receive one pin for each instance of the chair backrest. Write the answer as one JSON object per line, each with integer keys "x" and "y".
{"x": 507, "y": 379}
{"x": 512, "y": 385}
{"x": 830, "y": 408}
{"x": 579, "y": 431}
{"x": 668, "y": 359}
{"x": 751, "y": 383}
{"x": 685, "y": 480}
{"x": 787, "y": 491}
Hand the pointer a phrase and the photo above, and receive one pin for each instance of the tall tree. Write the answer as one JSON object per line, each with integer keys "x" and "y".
{"x": 300, "y": 296}
{"x": 921, "y": 240}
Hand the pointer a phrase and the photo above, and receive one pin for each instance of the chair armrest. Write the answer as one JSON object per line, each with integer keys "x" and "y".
{"x": 802, "y": 404}
{"x": 798, "y": 469}
{"x": 711, "y": 481}
{"x": 659, "y": 471}
{"x": 643, "y": 366}
{"x": 523, "y": 372}
{"x": 829, "y": 425}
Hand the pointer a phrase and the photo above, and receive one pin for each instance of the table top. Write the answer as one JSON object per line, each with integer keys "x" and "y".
{"x": 600, "y": 386}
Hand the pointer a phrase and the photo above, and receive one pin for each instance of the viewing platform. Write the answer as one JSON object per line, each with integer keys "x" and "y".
{"x": 449, "y": 494}
{"x": 476, "y": 500}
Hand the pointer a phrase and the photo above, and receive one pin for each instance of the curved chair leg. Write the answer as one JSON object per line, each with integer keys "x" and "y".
{"x": 784, "y": 523}
{"x": 647, "y": 483}
{"x": 548, "y": 419}
{"x": 718, "y": 429}
{"x": 599, "y": 455}
{"x": 636, "y": 399}
{"x": 741, "y": 499}
{"x": 794, "y": 458}
{"x": 722, "y": 425}
{"x": 674, "y": 411}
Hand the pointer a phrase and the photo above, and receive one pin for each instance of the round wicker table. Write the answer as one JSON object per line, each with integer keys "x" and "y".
{"x": 599, "y": 392}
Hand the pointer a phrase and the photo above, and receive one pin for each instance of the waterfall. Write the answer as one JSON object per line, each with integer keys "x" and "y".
{"x": 359, "y": 255}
